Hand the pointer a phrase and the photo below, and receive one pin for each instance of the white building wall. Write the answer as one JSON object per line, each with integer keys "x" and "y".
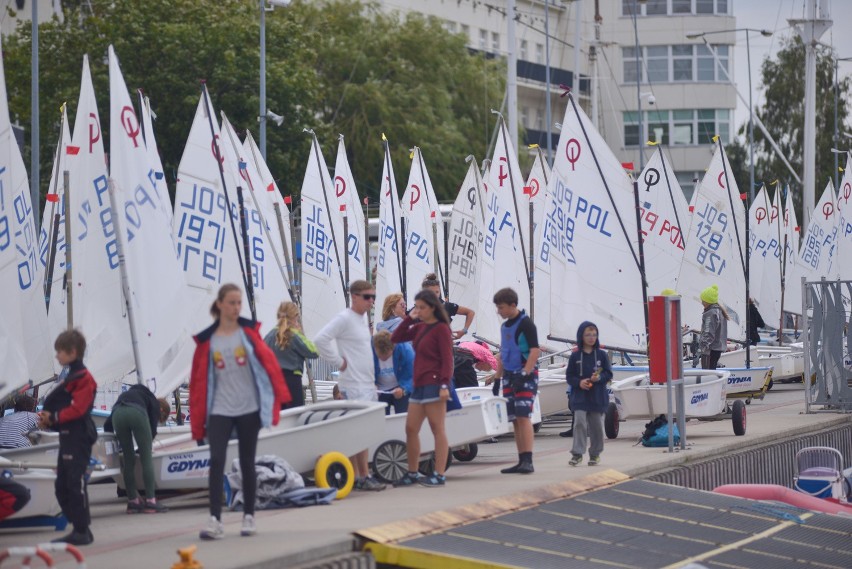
{"x": 23, "y": 10}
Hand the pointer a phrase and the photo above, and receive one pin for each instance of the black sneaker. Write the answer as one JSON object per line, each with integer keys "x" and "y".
{"x": 568, "y": 433}
{"x": 408, "y": 479}
{"x": 512, "y": 469}
{"x": 434, "y": 480}
{"x": 76, "y": 538}
{"x": 154, "y": 507}
{"x": 525, "y": 467}
{"x": 135, "y": 506}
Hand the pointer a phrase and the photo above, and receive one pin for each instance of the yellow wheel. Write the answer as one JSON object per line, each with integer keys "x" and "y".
{"x": 333, "y": 470}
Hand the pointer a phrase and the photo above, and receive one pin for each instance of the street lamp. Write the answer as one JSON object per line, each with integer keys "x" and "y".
{"x": 764, "y": 33}
{"x": 639, "y": 81}
{"x": 262, "y": 116}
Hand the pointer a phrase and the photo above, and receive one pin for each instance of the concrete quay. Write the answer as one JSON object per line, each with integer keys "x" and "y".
{"x": 293, "y": 537}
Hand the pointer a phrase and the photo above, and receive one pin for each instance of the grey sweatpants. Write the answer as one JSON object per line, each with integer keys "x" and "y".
{"x": 588, "y": 424}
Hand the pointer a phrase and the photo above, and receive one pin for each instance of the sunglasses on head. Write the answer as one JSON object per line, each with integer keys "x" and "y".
{"x": 365, "y": 296}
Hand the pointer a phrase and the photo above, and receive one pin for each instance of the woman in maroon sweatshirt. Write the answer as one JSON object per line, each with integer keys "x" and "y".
{"x": 432, "y": 339}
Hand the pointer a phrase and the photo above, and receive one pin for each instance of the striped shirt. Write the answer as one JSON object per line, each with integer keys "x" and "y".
{"x": 14, "y": 429}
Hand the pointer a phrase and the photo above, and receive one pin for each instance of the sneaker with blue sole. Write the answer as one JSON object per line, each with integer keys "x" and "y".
{"x": 434, "y": 480}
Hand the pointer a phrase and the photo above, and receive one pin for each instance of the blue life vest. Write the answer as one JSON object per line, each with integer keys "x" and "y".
{"x": 510, "y": 351}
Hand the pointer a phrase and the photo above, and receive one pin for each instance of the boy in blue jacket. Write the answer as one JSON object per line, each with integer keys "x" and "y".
{"x": 588, "y": 373}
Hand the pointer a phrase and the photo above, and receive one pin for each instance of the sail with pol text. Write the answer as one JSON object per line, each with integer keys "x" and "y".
{"x": 590, "y": 239}
{"x": 346, "y": 194}
{"x": 158, "y": 308}
{"x": 389, "y": 255}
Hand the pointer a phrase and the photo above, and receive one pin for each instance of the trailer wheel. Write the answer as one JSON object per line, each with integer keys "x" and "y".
{"x": 466, "y": 453}
{"x": 738, "y": 418}
{"x": 611, "y": 421}
{"x": 334, "y": 470}
{"x": 390, "y": 461}
{"x": 427, "y": 465}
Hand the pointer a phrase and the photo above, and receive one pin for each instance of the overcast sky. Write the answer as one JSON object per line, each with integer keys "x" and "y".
{"x": 773, "y": 15}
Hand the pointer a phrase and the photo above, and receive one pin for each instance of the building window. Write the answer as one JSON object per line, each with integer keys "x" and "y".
{"x": 674, "y": 7}
{"x": 483, "y": 39}
{"x": 539, "y": 120}
{"x": 495, "y": 42}
{"x": 525, "y": 117}
{"x": 539, "y": 53}
{"x": 465, "y": 31}
{"x": 450, "y": 26}
{"x": 678, "y": 128}
{"x": 688, "y": 181}
{"x": 523, "y": 54}
{"x": 676, "y": 63}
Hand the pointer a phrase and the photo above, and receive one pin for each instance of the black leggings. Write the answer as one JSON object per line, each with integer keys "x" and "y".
{"x": 711, "y": 361}
{"x": 219, "y": 430}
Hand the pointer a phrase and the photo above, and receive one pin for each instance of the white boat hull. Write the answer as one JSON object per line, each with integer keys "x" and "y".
{"x": 740, "y": 380}
{"x": 704, "y": 395}
{"x": 350, "y": 427}
{"x": 787, "y": 364}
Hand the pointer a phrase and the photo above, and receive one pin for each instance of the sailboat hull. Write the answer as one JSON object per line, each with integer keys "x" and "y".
{"x": 704, "y": 395}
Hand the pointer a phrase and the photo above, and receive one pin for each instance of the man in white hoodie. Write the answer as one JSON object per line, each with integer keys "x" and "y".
{"x": 345, "y": 342}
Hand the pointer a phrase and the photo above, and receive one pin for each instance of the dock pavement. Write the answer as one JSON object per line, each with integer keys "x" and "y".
{"x": 293, "y": 537}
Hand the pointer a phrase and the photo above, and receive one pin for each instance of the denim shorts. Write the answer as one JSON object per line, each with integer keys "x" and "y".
{"x": 520, "y": 391}
{"x": 425, "y": 394}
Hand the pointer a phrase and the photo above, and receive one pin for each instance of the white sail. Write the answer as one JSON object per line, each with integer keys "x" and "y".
{"x": 21, "y": 276}
{"x": 98, "y": 303}
{"x": 792, "y": 231}
{"x": 765, "y": 258}
{"x": 464, "y": 239}
{"x": 347, "y": 199}
{"x": 535, "y": 192}
{"x": 281, "y": 235}
{"x": 424, "y": 229}
{"x": 715, "y": 248}
{"x": 591, "y": 238}
{"x": 664, "y": 214}
{"x": 159, "y": 308}
{"x": 158, "y": 178}
{"x": 268, "y": 280}
{"x": 323, "y": 286}
{"x": 817, "y": 257}
{"x": 206, "y": 221}
{"x": 504, "y": 248}
{"x": 844, "y": 220}
{"x": 389, "y": 255}
{"x": 52, "y": 235}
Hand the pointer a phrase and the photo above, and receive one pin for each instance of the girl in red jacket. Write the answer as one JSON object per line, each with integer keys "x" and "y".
{"x": 235, "y": 383}
{"x": 433, "y": 370}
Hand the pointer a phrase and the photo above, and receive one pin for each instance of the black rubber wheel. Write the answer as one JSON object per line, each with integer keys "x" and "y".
{"x": 466, "y": 453}
{"x": 390, "y": 461}
{"x": 738, "y": 418}
{"x": 611, "y": 421}
{"x": 427, "y": 465}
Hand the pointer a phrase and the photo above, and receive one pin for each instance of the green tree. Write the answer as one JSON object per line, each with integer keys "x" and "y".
{"x": 336, "y": 67}
{"x": 783, "y": 115}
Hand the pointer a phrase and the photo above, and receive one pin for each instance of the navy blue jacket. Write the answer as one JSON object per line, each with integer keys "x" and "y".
{"x": 582, "y": 365}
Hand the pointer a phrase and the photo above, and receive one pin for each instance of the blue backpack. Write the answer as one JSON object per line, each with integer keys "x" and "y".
{"x": 657, "y": 433}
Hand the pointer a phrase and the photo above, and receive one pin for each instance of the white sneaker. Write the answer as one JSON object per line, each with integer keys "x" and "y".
{"x": 249, "y": 528}
{"x": 213, "y": 530}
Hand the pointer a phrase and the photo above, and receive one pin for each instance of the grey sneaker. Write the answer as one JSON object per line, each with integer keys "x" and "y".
{"x": 369, "y": 484}
{"x": 594, "y": 460}
{"x": 249, "y": 527}
{"x": 408, "y": 479}
{"x": 213, "y": 530}
{"x": 575, "y": 459}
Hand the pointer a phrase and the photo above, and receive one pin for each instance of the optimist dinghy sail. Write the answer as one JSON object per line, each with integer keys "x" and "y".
{"x": 765, "y": 257}
{"x": 715, "y": 247}
{"x": 269, "y": 281}
{"x": 535, "y": 193}
{"x": 389, "y": 256}
{"x": 205, "y": 219}
{"x": 792, "y": 287}
{"x": 324, "y": 292}
{"x": 347, "y": 198}
{"x": 158, "y": 179}
{"x": 465, "y": 237}
{"x": 844, "y": 220}
{"x": 157, "y": 306}
{"x": 52, "y": 234}
{"x": 664, "y": 211}
{"x": 504, "y": 256}
{"x": 818, "y": 254}
{"x": 589, "y": 242}
{"x": 424, "y": 229}
{"x": 22, "y": 302}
